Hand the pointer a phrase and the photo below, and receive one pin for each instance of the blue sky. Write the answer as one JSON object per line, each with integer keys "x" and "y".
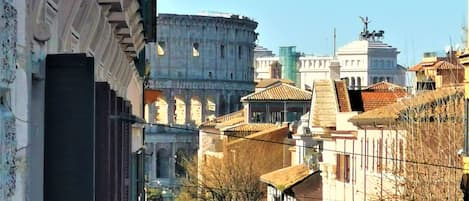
{"x": 412, "y": 26}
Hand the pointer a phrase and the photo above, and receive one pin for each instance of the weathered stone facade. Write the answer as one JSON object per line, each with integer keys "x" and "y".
{"x": 203, "y": 62}
{"x": 203, "y": 65}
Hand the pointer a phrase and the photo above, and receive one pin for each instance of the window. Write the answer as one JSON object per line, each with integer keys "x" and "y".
{"x": 343, "y": 168}
{"x": 231, "y": 76}
{"x": 240, "y": 52}
{"x": 222, "y": 51}
{"x": 160, "y": 47}
{"x": 195, "y": 50}
{"x": 209, "y": 74}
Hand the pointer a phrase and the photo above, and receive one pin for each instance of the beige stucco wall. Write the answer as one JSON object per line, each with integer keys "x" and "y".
{"x": 367, "y": 182}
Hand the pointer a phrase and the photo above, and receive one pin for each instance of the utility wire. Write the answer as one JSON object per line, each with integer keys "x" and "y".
{"x": 315, "y": 148}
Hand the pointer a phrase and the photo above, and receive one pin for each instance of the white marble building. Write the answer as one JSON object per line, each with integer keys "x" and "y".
{"x": 363, "y": 62}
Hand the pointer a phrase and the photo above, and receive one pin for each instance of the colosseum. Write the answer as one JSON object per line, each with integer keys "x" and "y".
{"x": 202, "y": 65}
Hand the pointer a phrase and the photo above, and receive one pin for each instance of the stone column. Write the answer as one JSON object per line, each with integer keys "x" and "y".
{"x": 170, "y": 100}
{"x": 217, "y": 101}
{"x": 228, "y": 103}
{"x": 203, "y": 107}
{"x": 172, "y": 162}
{"x": 187, "y": 103}
{"x": 152, "y": 111}
{"x": 152, "y": 162}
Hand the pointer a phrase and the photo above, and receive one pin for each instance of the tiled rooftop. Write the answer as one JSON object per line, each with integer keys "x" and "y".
{"x": 391, "y": 113}
{"x": 280, "y": 92}
{"x": 252, "y": 127}
{"x": 260, "y": 134}
{"x": 385, "y": 86}
{"x": 342, "y": 96}
{"x": 264, "y": 83}
{"x": 375, "y": 99}
{"x": 324, "y": 106}
{"x": 435, "y": 65}
{"x": 234, "y": 115}
{"x": 283, "y": 179}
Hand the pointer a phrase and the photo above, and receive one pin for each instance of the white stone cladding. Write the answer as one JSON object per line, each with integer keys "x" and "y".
{"x": 362, "y": 63}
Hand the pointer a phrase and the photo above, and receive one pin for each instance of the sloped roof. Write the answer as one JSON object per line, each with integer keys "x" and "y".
{"x": 264, "y": 83}
{"x": 375, "y": 99}
{"x": 251, "y": 127}
{"x": 324, "y": 104}
{"x": 285, "y": 178}
{"x": 260, "y": 134}
{"x": 230, "y": 122}
{"x": 234, "y": 115}
{"x": 436, "y": 65}
{"x": 390, "y": 114}
{"x": 280, "y": 92}
{"x": 342, "y": 96}
{"x": 385, "y": 86}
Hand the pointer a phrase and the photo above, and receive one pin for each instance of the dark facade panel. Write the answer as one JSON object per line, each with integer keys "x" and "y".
{"x": 103, "y": 141}
{"x": 69, "y": 128}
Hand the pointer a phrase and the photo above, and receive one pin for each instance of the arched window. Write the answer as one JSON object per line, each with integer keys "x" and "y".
{"x": 359, "y": 82}
{"x": 352, "y": 83}
{"x": 162, "y": 163}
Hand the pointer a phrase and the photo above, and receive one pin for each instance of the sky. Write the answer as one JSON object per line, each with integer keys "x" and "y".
{"x": 412, "y": 26}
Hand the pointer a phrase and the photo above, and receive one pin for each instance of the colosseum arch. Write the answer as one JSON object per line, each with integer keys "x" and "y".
{"x": 234, "y": 100}
{"x": 161, "y": 110}
{"x": 221, "y": 106}
{"x": 180, "y": 110}
{"x": 210, "y": 110}
{"x": 196, "y": 110}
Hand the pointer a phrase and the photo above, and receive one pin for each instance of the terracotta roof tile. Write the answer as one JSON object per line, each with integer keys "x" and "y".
{"x": 375, "y": 99}
{"x": 342, "y": 96}
{"x": 391, "y": 113}
{"x": 264, "y": 83}
{"x": 251, "y": 127}
{"x": 435, "y": 65}
{"x": 283, "y": 128}
{"x": 324, "y": 105}
{"x": 385, "y": 86}
{"x": 281, "y": 92}
{"x": 227, "y": 117}
{"x": 285, "y": 178}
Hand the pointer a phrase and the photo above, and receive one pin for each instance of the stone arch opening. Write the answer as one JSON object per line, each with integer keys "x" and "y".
{"x": 162, "y": 163}
{"x": 196, "y": 110}
{"x": 221, "y": 105}
{"x": 234, "y": 103}
{"x": 179, "y": 110}
{"x": 211, "y": 105}
{"x": 161, "y": 110}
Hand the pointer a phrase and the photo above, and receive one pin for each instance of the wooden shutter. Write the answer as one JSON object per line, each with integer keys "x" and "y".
{"x": 346, "y": 160}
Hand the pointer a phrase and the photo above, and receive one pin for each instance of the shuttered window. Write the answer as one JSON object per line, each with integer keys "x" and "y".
{"x": 343, "y": 168}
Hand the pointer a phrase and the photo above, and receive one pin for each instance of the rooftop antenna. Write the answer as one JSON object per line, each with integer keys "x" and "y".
{"x": 335, "y": 42}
